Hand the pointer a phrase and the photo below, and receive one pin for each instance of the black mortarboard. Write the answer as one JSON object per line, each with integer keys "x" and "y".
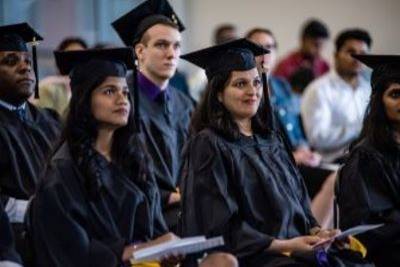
{"x": 83, "y": 65}
{"x": 131, "y": 26}
{"x": 234, "y": 55}
{"x": 110, "y": 61}
{"x": 385, "y": 67}
{"x": 14, "y": 38}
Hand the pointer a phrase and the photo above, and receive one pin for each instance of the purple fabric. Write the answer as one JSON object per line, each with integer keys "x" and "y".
{"x": 150, "y": 89}
{"x": 322, "y": 257}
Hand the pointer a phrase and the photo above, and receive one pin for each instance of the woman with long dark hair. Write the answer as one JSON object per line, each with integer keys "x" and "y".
{"x": 369, "y": 183}
{"x": 240, "y": 180}
{"x": 98, "y": 201}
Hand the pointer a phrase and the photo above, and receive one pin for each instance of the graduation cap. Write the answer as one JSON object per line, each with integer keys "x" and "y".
{"x": 237, "y": 55}
{"x": 131, "y": 26}
{"x": 14, "y": 37}
{"x": 111, "y": 60}
{"x": 82, "y": 65}
{"x": 384, "y": 67}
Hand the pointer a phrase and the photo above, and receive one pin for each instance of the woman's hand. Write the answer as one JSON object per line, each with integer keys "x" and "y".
{"x": 128, "y": 250}
{"x": 328, "y": 233}
{"x": 304, "y": 156}
{"x": 174, "y": 197}
{"x": 299, "y": 244}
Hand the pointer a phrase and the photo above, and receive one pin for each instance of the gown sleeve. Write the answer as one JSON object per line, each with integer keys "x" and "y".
{"x": 60, "y": 230}
{"x": 209, "y": 200}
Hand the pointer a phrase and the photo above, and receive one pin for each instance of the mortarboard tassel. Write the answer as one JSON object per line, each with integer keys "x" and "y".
{"x": 271, "y": 115}
{"x": 35, "y": 67}
{"x": 136, "y": 99}
{"x": 269, "y": 110}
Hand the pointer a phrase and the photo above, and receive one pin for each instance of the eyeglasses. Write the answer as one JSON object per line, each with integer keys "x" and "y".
{"x": 269, "y": 46}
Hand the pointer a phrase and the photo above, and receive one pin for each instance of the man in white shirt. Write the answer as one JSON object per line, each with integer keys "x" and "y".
{"x": 333, "y": 106}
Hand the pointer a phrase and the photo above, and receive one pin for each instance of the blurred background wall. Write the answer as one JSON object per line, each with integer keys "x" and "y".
{"x": 90, "y": 19}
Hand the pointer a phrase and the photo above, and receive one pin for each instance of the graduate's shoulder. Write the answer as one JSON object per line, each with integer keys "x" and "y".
{"x": 60, "y": 169}
{"x": 208, "y": 140}
{"x": 46, "y": 113}
{"x": 363, "y": 158}
{"x": 364, "y": 150}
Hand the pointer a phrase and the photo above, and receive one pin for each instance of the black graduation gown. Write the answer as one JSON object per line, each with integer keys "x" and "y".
{"x": 24, "y": 147}
{"x": 70, "y": 229}
{"x": 368, "y": 193}
{"x": 7, "y": 249}
{"x": 164, "y": 130}
{"x": 247, "y": 190}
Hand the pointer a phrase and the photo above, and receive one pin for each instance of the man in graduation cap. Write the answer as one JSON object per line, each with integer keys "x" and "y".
{"x": 153, "y": 29}
{"x": 27, "y": 133}
{"x": 368, "y": 190}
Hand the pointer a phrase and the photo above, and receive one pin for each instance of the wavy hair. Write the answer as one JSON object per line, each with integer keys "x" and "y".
{"x": 81, "y": 131}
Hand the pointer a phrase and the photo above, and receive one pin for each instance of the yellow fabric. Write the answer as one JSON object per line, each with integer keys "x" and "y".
{"x": 147, "y": 264}
{"x": 357, "y": 246}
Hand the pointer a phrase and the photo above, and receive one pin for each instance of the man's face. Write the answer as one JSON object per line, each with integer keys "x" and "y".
{"x": 266, "y": 41}
{"x": 312, "y": 47}
{"x": 17, "y": 79}
{"x": 159, "y": 53}
{"x": 345, "y": 63}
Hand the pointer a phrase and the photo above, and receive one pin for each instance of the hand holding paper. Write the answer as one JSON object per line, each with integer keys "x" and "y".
{"x": 349, "y": 232}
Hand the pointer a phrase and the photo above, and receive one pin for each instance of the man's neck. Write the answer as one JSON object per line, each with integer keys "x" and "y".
{"x": 349, "y": 78}
{"x": 161, "y": 83}
{"x": 306, "y": 55}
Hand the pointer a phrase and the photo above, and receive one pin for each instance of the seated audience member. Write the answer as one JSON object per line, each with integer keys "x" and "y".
{"x": 369, "y": 185}
{"x": 286, "y": 106}
{"x": 306, "y": 63}
{"x": 98, "y": 201}
{"x": 333, "y": 106}
{"x": 8, "y": 256}
{"x": 240, "y": 180}
{"x": 55, "y": 92}
{"x": 27, "y": 133}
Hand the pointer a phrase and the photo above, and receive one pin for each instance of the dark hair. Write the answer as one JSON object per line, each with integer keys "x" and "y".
{"x": 81, "y": 131}
{"x": 377, "y": 129}
{"x": 314, "y": 29}
{"x": 211, "y": 113}
{"x": 219, "y": 38}
{"x": 352, "y": 34}
{"x": 71, "y": 40}
{"x": 253, "y": 31}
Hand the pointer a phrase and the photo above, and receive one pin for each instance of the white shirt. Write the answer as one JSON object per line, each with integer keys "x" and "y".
{"x": 332, "y": 112}
{"x": 10, "y": 107}
{"x": 9, "y": 264}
